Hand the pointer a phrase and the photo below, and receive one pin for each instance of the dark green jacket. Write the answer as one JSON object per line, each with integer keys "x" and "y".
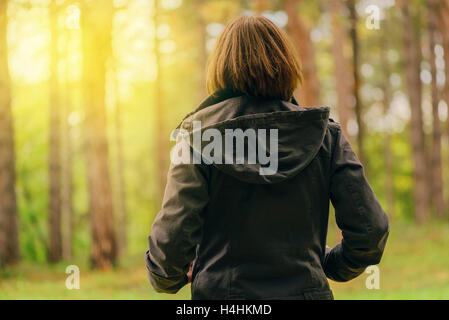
{"x": 255, "y": 236}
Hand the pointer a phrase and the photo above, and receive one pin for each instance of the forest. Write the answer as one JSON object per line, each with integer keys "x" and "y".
{"x": 90, "y": 91}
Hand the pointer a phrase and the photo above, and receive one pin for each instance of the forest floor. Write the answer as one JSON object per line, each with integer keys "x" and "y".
{"x": 415, "y": 266}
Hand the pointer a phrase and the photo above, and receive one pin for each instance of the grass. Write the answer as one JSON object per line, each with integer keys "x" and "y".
{"x": 414, "y": 267}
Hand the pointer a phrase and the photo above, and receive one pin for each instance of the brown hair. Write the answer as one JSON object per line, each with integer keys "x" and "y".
{"x": 254, "y": 56}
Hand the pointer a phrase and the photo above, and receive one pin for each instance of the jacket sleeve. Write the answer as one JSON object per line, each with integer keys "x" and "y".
{"x": 177, "y": 229}
{"x": 358, "y": 214}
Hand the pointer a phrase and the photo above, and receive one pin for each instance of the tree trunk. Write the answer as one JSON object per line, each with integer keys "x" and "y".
{"x": 308, "y": 93}
{"x": 121, "y": 194}
{"x": 9, "y": 233}
{"x": 436, "y": 167}
{"x": 67, "y": 181}
{"x": 341, "y": 66}
{"x": 444, "y": 26}
{"x": 161, "y": 136}
{"x": 356, "y": 83}
{"x": 412, "y": 57}
{"x": 202, "y": 55}
{"x": 388, "y": 151}
{"x": 54, "y": 161}
{"x": 96, "y": 27}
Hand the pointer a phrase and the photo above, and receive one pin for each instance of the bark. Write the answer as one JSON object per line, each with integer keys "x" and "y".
{"x": 161, "y": 134}
{"x": 121, "y": 194}
{"x": 436, "y": 166}
{"x": 388, "y": 151}
{"x": 412, "y": 57}
{"x": 54, "y": 161}
{"x": 341, "y": 66}
{"x": 96, "y": 27}
{"x": 356, "y": 82}
{"x": 202, "y": 56}
{"x": 308, "y": 93}
{"x": 67, "y": 162}
{"x": 9, "y": 233}
{"x": 443, "y": 27}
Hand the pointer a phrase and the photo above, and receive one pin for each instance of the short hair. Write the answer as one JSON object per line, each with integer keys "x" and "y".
{"x": 255, "y": 57}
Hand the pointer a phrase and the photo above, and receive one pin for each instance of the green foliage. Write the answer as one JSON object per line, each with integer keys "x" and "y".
{"x": 31, "y": 132}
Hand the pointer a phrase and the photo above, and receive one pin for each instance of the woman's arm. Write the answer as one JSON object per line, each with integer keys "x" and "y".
{"x": 358, "y": 214}
{"x": 177, "y": 229}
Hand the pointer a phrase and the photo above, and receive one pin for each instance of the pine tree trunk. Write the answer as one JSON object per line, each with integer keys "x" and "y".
{"x": 388, "y": 151}
{"x": 161, "y": 134}
{"x": 308, "y": 94}
{"x": 443, "y": 27}
{"x": 54, "y": 161}
{"x": 436, "y": 166}
{"x": 96, "y": 27}
{"x": 356, "y": 83}
{"x": 121, "y": 194}
{"x": 412, "y": 57}
{"x": 9, "y": 233}
{"x": 341, "y": 66}
{"x": 67, "y": 162}
{"x": 202, "y": 56}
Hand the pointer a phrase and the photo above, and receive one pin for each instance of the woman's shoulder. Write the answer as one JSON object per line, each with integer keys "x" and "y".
{"x": 333, "y": 127}
{"x": 331, "y": 135}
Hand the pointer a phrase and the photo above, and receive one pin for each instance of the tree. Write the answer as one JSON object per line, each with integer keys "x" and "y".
{"x": 96, "y": 22}
{"x": 436, "y": 167}
{"x": 202, "y": 54}
{"x": 54, "y": 161}
{"x": 308, "y": 94}
{"x": 412, "y": 56}
{"x": 388, "y": 151}
{"x": 161, "y": 139}
{"x": 120, "y": 185}
{"x": 67, "y": 161}
{"x": 9, "y": 233}
{"x": 341, "y": 66}
{"x": 443, "y": 27}
{"x": 356, "y": 81}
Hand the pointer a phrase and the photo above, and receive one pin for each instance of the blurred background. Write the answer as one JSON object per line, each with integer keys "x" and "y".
{"x": 90, "y": 91}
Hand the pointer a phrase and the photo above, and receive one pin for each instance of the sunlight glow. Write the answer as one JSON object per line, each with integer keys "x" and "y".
{"x": 171, "y": 4}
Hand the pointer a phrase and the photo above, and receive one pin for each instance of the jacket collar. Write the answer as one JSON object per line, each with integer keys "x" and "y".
{"x": 219, "y": 96}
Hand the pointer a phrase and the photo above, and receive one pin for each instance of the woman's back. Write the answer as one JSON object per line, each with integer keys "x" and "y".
{"x": 252, "y": 174}
{"x": 264, "y": 236}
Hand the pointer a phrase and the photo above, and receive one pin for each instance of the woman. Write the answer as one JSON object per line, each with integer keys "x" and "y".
{"x": 253, "y": 229}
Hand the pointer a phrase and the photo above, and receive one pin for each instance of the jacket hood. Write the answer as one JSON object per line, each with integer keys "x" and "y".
{"x": 283, "y": 137}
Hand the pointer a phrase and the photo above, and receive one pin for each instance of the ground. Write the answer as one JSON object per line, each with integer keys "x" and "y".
{"x": 415, "y": 266}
